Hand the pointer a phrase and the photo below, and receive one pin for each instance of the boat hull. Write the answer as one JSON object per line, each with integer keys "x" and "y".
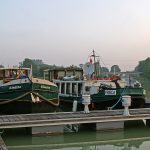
{"x": 28, "y": 97}
{"x": 105, "y": 99}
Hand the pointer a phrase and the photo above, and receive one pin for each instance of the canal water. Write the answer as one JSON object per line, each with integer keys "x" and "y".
{"x": 135, "y": 136}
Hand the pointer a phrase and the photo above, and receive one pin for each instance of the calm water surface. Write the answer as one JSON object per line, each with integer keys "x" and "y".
{"x": 135, "y": 136}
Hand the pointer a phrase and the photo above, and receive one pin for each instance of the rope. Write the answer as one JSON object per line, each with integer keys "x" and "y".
{"x": 119, "y": 98}
{"x": 19, "y": 97}
{"x": 48, "y": 100}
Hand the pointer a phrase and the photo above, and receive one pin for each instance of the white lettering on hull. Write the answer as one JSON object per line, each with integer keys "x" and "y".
{"x": 110, "y": 92}
{"x": 14, "y": 87}
{"x": 45, "y": 87}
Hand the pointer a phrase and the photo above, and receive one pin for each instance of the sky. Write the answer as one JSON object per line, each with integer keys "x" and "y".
{"x": 64, "y": 32}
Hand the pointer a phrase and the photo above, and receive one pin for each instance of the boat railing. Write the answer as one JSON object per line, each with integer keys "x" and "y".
{"x": 70, "y": 95}
{"x": 72, "y": 88}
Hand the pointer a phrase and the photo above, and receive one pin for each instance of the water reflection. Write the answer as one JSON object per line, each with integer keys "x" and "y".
{"x": 135, "y": 136}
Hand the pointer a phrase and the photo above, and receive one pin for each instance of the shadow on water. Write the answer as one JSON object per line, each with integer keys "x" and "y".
{"x": 135, "y": 136}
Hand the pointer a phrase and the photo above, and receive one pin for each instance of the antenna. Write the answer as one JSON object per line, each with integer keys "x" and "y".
{"x": 97, "y": 72}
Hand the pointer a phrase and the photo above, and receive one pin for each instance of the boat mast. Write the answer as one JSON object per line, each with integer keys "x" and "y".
{"x": 94, "y": 63}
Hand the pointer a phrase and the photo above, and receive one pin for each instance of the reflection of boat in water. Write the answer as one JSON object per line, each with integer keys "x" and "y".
{"x": 22, "y": 93}
{"x": 76, "y": 84}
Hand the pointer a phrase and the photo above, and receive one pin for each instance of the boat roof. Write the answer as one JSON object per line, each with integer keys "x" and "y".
{"x": 65, "y": 69}
{"x": 11, "y": 68}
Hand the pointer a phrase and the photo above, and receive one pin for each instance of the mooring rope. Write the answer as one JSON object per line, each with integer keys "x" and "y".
{"x": 14, "y": 99}
{"x": 119, "y": 98}
{"x": 48, "y": 100}
{"x": 19, "y": 97}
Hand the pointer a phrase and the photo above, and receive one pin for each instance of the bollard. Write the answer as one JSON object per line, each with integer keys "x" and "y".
{"x": 126, "y": 102}
{"x": 86, "y": 101}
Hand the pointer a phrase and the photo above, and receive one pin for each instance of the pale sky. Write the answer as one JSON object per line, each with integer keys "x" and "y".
{"x": 64, "y": 32}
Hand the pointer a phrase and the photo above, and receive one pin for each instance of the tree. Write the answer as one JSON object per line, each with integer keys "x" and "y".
{"x": 1, "y": 66}
{"x": 115, "y": 69}
{"x": 104, "y": 71}
{"x": 144, "y": 67}
{"x": 35, "y": 66}
{"x": 38, "y": 66}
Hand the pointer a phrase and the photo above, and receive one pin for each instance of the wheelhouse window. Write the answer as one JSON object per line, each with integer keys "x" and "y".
{"x": 87, "y": 89}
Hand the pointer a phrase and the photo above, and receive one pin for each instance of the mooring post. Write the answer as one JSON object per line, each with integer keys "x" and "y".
{"x": 126, "y": 102}
{"x": 86, "y": 101}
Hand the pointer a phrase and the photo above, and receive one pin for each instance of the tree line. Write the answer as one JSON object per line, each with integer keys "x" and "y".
{"x": 144, "y": 68}
{"x": 38, "y": 67}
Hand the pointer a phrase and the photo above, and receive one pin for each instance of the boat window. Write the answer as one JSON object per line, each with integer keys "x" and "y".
{"x": 57, "y": 84}
{"x": 21, "y": 74}
{"x": 1, "y": 74}
{"x": 68, "y": 88}
{"x": 94, "y": 89}
{"x": 7, "y": 74}
{"x": 74, "y": 88}
{"x": 63, "y": 88}
{"x": 87, "y": 88}
{"x": 14, "y": 74}
{"x": 80, "y": 88}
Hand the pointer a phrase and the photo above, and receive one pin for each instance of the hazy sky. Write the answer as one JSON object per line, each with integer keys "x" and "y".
{"x": 64, "y": 32}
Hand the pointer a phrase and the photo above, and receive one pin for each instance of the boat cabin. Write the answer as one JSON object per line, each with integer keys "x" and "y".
{"x": 77, "y": 88}
{"x": 8, "y": 74}
{"x": 61, "y": 73}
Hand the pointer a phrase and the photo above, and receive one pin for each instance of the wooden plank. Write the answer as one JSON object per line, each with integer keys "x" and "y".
{"x": 2, "y": 144}
{"x": 16, "y": 118}
{"x": 20, "y": 118}
{"x": 11, "y": 119}
{"x": 1, "y": 120}
{"x": 5, "y": 119}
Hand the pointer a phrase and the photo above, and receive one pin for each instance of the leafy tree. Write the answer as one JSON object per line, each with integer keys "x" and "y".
{"x": 38, "y": 66}
{"x": 1, "y": 66}
{"x": 104, "y": 71}
{"x": 144, "y": 67}
{"x": 115, "y": 69}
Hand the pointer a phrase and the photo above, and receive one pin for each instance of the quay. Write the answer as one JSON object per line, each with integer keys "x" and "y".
{"x": 54, "y": 123}
{"x": 59, "y": 119}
